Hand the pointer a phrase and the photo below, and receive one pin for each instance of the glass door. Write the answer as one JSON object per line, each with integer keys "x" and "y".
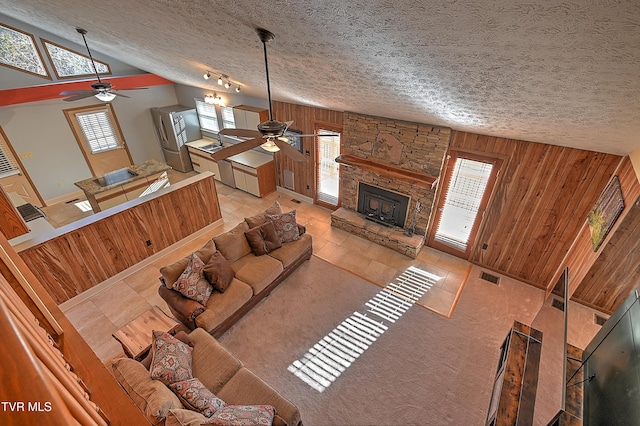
{"x": 468, "y": 182}
{"x": 327, "y": 170}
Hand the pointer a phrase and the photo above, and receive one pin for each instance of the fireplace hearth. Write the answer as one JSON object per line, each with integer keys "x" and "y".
{"x": 381, "y": 206}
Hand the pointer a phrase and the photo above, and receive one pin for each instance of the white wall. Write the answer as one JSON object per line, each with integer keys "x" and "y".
{"x": 56, "y": 162}
{"x": 186, "y": 95}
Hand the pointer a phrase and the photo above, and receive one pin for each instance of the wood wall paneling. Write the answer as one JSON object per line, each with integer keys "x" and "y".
{"x": 304, "y": 119}
{"x": 540, "y": 203}
{"x": 84, "y": 257}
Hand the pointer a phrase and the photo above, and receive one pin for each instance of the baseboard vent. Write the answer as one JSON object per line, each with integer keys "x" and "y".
{"x": 296, "y": 201}
{"x": 289, "y": 182}
{"x": 558, "y": 304}
{"x": 72, "y": 201}
{"x": 493, "y": 279}
{"x": 599, "y": 320}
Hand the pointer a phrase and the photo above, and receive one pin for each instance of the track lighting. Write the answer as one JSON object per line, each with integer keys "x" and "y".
{"x": 207, "y": 76}
{"x": 220, "y": 81}
{"x": 238, "y": 89}
{"x": 227, "y": 85}
{"x": 223, "y": 80}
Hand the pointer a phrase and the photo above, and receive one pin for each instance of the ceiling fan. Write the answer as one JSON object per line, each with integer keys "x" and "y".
{"x": 101, "y": 90}
{"x": 272, "y": 130}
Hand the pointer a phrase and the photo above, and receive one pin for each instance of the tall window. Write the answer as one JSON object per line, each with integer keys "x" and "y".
{"x": 228, "y": 122}
{"x": 328, "y": 171}
{"x": 208, "y": 116}
{"x": 98, "y": 131}
{"x": 7, "y": 168}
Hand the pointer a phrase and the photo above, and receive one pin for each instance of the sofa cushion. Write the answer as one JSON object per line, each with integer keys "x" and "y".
{"x": 218, "y": 272}
{"x": 183, "y": 417}
{"x": 152, "y": 396}
{"x": 222, "y": 305}
{"x": 171, "y": 358}
{"x": 195, "y": 396}
{"x": 286, "y": 226}
{"x": 261, "y": 218}
{"x": 170, "y": 273}
{"x": 245, "y": 415}
{"x": 263, "y": 239}
{"x": 212, "y": 363}
{"x": 233, "y": 244}
{"x": 245, "y": 388}
{"x": 257, "y": 271}
{"x": 291, "y": 251}
{"x": 192, "y": 283}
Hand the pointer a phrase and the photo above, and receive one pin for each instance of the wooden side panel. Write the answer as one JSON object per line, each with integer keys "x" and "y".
{"x": 304, "y": 119}
{"x": 11, "y": 223}
{"x": 77, "y": 260}
{"x": 539, "y": 205}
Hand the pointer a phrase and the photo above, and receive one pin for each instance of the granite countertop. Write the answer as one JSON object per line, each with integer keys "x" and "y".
{"x": 250, "y": 158}
{"x": 148, "y": 168}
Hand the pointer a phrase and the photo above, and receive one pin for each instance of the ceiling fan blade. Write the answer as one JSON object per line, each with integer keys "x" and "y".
{"x": 288, "y": 123}
{"x": 133, "y": 88}
{"x": 79, "y": 96}
{"x": 75, "y": 92}
{"x": 242, "y": 133}
{"x": 290, "y": 151}
{"x": 237, "y": 149}
{"x": 115, "y": 92}
{"x": 316, "y": 134}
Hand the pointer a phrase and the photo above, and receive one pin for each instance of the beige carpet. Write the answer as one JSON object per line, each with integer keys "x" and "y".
{"x": 424, "y": 369}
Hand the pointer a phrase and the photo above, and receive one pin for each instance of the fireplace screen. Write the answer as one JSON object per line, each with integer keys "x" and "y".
{"x": 382, "y": 206}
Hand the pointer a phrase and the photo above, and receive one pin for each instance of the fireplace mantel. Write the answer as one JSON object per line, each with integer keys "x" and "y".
{"x": 386, "y": 170}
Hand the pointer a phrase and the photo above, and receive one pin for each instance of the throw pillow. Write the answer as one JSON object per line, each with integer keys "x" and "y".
{"x": 170, "y": 273}
{"x": 180, "y": 335}
{"x": 286, "y": 226}
{"x": 245, "y": 415}
{"x": 192, "y": 283}
{"x": 171, "y": 359}
{"x": 261, "y": 218}
{"x": 196, "y": 396}
{"x": 218, "y": 272}
{"x": 263, "y": 239}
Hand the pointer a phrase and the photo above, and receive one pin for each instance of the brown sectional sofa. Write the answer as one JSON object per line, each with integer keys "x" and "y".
{"x": 220, "y": 371}
{"x": 255, "y": 276}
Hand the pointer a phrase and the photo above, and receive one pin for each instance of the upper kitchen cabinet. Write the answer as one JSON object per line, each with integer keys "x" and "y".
{"x": 248, "y": 117}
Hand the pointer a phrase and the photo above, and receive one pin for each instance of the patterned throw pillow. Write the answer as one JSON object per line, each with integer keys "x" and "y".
{"x": 171, "y": 359}
{"x": 197, "y": 397}
{"x": 192, "y": 283}
{"x": 245, "y": 415}
{"x": 286, "y": 226}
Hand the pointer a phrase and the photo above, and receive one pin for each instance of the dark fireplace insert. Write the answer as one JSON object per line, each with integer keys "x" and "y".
{"x": 379, "y": 205}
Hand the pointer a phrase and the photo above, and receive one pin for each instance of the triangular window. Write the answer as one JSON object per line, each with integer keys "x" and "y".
{"x": 68, "y": 63}
{"x": 18, "y": 50}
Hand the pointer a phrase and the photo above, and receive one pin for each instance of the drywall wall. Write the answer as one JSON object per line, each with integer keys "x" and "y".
{"x": 187, "y": 94}
{"x": 40, "y": 134}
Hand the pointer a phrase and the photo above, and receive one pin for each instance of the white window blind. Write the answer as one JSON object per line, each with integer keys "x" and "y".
{"x": 228, "y": 121}
{"x": 208, "y": 116}
{"x": 98, "y": 131}
{"x": 7, "y": 167}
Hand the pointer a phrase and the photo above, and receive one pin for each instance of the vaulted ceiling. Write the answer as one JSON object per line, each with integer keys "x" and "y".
{"x": 558, "y": 72}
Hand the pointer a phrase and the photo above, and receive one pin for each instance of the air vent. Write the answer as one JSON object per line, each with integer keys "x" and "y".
{"x": 491, "y": 278}
{"x": 288, "y": 180}
{"x": 558, "y": 304}
{"x": 296, "y": 201}
{"x": 600, "y": 320}
{"x": 72, "y": 201}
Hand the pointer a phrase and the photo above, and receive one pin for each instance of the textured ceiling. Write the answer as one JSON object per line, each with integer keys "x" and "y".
{"x": 565, "y": 73}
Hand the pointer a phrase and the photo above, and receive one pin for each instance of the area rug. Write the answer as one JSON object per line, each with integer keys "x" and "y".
{"x": 421, "y": 369}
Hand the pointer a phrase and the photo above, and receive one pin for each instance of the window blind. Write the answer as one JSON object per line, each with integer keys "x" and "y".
{"x": 228, "y": 121}
{"x": 7, "y": 167}
{"x": 208, "y": 116}
{"x": 98, "y": 131}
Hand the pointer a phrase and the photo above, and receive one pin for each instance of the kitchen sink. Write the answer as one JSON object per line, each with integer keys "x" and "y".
{"x": 116, "y": 176}
{"x": 211, "y": 147}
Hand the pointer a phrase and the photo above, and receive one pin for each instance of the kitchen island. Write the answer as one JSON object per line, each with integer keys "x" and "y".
{"x": 125, "y": 184}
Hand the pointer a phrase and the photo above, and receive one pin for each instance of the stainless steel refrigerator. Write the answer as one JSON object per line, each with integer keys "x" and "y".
{"x": 176, "y": 125}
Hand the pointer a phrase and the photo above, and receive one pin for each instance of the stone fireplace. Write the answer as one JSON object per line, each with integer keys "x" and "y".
{"x": 396, "y": 156}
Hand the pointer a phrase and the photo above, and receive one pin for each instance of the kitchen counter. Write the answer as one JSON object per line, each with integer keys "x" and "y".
{"x": 148, "y": 168}
{"x": 248, "y": 158}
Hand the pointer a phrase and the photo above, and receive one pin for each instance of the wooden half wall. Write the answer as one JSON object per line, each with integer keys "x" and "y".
{"x": 540, "y": 203}
{"x": 85, "y": 253}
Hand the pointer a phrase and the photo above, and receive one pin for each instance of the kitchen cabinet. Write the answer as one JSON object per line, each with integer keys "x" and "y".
{"x": 202, "y": 162}
{"x": 248, "y": 117}
{"x": 254, "y": 173}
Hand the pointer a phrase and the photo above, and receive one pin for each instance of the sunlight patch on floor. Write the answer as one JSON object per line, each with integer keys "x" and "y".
{"x": 84, "y": 206}
{"x": 334, "y": 353}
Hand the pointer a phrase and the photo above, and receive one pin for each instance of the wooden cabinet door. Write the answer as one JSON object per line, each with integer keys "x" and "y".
{"x": 239, "y": 175}
{"x": 252, "y": 183}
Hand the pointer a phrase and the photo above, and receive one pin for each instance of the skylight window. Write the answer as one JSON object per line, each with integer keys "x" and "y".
{"x": 68, "y": 63}
{"x": 18, "y": 50}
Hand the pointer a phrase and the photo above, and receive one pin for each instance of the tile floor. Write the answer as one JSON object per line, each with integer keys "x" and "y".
{"x": 101, "y": 313}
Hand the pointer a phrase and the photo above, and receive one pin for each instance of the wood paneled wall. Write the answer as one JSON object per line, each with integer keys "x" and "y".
{"x": 304, "y": 119}
{"x": 603, "y": 279}
{"x": 542, "y": 198}
{"x": 102, "y": 245}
